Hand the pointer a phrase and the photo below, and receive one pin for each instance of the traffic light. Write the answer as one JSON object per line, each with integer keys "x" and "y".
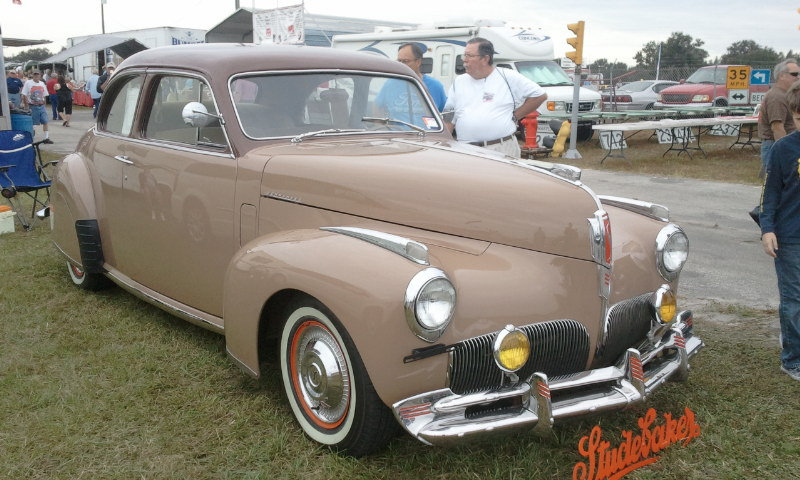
{"x": 576, "y": 42}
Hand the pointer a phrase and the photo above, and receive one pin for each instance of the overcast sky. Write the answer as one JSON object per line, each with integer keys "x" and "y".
{"x": 615, "y": 29}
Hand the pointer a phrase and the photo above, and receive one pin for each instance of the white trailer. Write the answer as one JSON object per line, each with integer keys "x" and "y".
{"x": 528, "y": 51}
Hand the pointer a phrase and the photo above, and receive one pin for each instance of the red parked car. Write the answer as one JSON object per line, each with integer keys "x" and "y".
{"x": 706, "y": 88}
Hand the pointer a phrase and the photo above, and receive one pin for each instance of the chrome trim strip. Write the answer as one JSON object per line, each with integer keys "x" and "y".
{"x": 652, "y": 210}
{"x": 137, "y": 290}
{"x": 159, "y": 143}
{"x": 441, "y": 417}
{"x": 405, "y": 247}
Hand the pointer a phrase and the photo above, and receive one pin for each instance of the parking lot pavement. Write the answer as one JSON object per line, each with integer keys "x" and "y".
{"x": 65, "y": 139}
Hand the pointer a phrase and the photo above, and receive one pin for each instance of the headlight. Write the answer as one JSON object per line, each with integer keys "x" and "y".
{"x": 672, "y": 250}
{"x": 555, "y": 106}
{"x": 511, "y": 349}
{"x": 665, "y": 304}
{"x": 429, "y": 303}
{"x": 701, "y": 98}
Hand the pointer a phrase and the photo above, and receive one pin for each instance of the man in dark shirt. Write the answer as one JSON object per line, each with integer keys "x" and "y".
{"x": 780, "y": 231}
{"x": 775, "y": 119}
{"x": 14, "y": 86}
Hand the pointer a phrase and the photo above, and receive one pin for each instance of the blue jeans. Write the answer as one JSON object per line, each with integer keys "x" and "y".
{"x": 54, "y": 105}
{"x": 787, "y": 266}
{"x": 765, "y": 146}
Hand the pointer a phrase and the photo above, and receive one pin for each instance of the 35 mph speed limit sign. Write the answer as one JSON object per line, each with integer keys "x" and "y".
{"x": 738, "y": 77}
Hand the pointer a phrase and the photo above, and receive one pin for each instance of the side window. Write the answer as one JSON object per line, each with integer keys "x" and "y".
{"x": 661, "y": 86}
{"x": 120, "y": 115}
{"x": 165, "y": 121}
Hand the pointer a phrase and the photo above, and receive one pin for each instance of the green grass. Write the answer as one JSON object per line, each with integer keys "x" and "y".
{"x": 645, "y": 155}
{"x": 105, "y": 386}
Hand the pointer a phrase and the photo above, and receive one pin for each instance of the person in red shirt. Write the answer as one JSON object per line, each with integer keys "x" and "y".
{"x": 52, "y": 95}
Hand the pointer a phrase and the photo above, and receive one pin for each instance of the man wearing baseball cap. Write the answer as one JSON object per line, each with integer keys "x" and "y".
{"x": 34, "y": 94}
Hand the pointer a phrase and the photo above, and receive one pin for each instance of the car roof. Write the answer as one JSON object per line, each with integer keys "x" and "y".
{"x": 230, "y": 58}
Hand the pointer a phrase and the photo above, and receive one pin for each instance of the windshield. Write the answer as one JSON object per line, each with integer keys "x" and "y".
{"x": 282, "y": 105}
{"x": 635, "y": 86}
{"x": 546, "y": 73}
{"x": 706, "y": 75}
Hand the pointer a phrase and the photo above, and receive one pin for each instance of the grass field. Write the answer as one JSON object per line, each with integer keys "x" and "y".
{"x": 645, "y": 155}
{"x": 105, "y": 386}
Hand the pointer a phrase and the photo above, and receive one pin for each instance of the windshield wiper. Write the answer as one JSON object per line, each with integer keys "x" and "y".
{"x": 300, "y": 137}
{"x": 387, "y": 121}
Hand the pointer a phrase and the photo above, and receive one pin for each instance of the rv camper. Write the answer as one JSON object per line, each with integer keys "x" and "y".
{"x": 528, "y": 51}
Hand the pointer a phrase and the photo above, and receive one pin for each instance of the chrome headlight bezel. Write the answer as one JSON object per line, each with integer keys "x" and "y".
{"x": 427, "y": 330}
{"x": 665, "y": 239}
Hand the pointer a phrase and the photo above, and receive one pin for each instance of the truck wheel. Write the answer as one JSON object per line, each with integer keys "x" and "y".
{"x": 584, "y": 132}
{"x": 87, "y": 281}
{"x": 327, "y": 385}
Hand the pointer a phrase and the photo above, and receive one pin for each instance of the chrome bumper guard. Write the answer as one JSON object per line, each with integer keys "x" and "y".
{"x": 442, "y": 417}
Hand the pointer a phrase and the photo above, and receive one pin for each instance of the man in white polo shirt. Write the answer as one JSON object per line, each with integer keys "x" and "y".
{"x": 488, "y": 101}
{"x": 33, "y": 94}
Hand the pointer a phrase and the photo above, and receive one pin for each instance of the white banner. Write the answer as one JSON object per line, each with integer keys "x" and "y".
{"x": 279, "y": 25}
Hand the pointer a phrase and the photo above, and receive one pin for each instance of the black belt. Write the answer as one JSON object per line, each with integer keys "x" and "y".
{"x": 492, "y": 142}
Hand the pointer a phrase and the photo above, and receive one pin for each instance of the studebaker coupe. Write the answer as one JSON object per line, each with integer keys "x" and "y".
{"x": 308, "y": 203}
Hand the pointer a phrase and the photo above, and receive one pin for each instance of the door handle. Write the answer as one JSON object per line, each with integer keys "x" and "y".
{"x": 123, "y": 159}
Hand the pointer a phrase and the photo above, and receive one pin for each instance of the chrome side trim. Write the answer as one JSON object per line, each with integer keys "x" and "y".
{"x": 180, "y": 311}
{"x": 652, "y": 210}
{"x": 441, "y": 417}
{"x": 406, "y": 248}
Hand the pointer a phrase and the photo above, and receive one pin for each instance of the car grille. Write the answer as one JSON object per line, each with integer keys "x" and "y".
{"x": 628, "y": 324}
{"x": 676, "y": 97}
{"x": 582, "y": 106}
{"x": 559, "y": 347}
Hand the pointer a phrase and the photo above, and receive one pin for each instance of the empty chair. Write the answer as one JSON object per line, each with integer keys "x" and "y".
{"x": 22, "y": 171}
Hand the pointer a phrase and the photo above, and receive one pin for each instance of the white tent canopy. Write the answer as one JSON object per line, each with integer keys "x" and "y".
{"x": 124, "y": 47}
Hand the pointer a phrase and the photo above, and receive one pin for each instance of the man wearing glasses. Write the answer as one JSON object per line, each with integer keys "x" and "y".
{"x": 410, "y": 54}
{"x": 488, "y": 102}
{"x": 775, "y": 119}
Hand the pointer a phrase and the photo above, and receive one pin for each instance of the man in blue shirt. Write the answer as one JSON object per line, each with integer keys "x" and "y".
{"x": 780, "y": 231}
{"x": 14, "y": 85}
{"x": 410, "y": 54}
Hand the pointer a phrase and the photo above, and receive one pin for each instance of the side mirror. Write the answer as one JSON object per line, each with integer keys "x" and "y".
{"x": 196, "y": 114}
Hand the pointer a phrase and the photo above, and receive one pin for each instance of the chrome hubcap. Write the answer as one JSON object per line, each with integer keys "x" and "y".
{"x": 323, "y": 378}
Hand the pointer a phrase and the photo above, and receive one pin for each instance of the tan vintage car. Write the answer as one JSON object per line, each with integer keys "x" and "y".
{"x": 308, "y": 204}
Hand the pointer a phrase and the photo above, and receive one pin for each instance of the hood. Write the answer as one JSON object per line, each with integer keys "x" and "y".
{"x": 442, "y": 187}
{"x": 693, "y": 88}
{"x": 563, "y": 93}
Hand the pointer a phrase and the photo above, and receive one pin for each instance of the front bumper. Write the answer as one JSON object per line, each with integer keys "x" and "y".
{"x": 442, "y": 417}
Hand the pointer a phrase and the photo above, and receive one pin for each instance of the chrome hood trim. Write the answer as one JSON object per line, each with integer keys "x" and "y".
{"x": 406, "y": 248}
{"x": 652, "y": 210}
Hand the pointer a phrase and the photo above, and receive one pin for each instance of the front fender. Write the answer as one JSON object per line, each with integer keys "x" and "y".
{"x": 72, "y": 199}
{"x": 361, "y": 283}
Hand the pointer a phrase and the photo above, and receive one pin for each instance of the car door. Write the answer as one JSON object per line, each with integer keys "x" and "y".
{"x": 181, "y": 178}
{"x": 110, "y": 149}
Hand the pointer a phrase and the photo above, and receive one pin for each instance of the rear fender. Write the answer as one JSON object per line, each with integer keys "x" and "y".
{"x": 362, "y": 284}
{"x": 72, "y": 199}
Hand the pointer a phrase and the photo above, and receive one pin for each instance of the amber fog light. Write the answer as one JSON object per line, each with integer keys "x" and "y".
{"x": 665, "y": 303}
{"x": 511, "y": 349}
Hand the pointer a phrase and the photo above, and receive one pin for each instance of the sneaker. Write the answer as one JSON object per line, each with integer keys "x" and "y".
{"x": 47, "y": 141}
{"x": 792, "y": 372}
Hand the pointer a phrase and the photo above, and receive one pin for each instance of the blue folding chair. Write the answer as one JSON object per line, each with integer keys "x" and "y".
{"x": 22, "y": 171}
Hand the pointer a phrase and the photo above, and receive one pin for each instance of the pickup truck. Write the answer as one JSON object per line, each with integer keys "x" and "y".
{"x": 706, "y": 88}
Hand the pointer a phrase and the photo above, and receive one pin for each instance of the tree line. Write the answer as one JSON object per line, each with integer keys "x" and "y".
{"x": 682, "y": 51}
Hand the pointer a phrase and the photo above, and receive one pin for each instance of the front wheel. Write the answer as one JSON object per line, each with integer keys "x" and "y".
{"x": 327, "y": 386}
{"x": 85, "y": 280}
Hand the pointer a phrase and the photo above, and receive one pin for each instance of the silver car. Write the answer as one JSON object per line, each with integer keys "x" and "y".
{"x": 639, "y": 95}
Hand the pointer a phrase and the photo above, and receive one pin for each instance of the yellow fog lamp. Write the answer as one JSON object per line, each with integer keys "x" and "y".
{"x": 511, "y": 349}
{"x": 665, "y": 304}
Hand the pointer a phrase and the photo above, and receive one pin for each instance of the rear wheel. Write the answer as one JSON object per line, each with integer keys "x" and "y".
{"x": 86, "y": 281}
{"x": 327, "y": 385}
